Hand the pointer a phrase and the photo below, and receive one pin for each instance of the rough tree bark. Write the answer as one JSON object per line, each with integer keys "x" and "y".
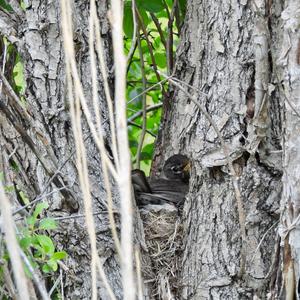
{"x": 40, "y": 139}
{"x": 230, "y": 50}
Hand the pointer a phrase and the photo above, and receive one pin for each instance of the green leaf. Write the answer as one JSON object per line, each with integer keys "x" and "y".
{"x": 24, "y": 197}
{"x": 9, "y": 188}
{"x": 39, "y": 208}
{"x": 161, "y": 59}
{"x": 59, "y": 255}
{"x": 148, "y": 149}
{"x": 47, "y": 224}
{"x": 46, "y": 243}
{"x": 153, "y": 6}
{"x": 128, "y": 19}
{"x": 6, "y": 6}
{"x": 25, "y": 242}
{"x": 14, "y": 165}
{"x": 182, "y": 6}
{"x": 52, "y": 264}
{"x": 146, "y": 156}
{"x": 145, "y": 17}
{"x": 18, "y": 75}
{"x": 46, "y": 268}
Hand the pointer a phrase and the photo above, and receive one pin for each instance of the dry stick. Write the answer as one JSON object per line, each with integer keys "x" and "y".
{"x": 15, "y": 102}
{"x": 161, "y": 34}
{"x": 3, "y": 64}
{"x": 102, "y": 64}
{"x": 140, "y": 112}
{"x": 75, "y": 111}
{"x": 80, "y": 216}
{"x": 144, "y": 103}
{"x": 93, "y": 69}
{"x": 61, "y": 285}
{"x": 41, "y": 288}
{"x": 12, "y": 245}
{"x": 100, "y": 129}
{"x": 238, "y": 196}
{"x": 141, "y": 22}
{"x": 190, "y": 86}
{"x": 55, "y": 285}
{"x": 160, "y": 83}
{"x": 167, "y": 8}
{"x": 139, "y": 126}
{"x": 76, "y": 123}
{"x": 261, "y": 240}
{"x": 170, "y": 39}
{"x": 139, "y": 274}
{"x": 7, "y": 278}
{"x": 79, "y": 90}
{"x": 130, "y": 58}
{"x": 83, "y": 177}
{"x": 47, "y": 164}
{"x": 41, "y": 196}
{"x": 134, "y": 35}
{"x": 177, "y": 18}
{"x": 124, "y": 179}
{"x": 285, "y": 96}
{"x": 37, "y": 200}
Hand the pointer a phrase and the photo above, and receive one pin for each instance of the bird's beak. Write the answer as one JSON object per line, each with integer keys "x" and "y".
{"x": 187, "y": 167}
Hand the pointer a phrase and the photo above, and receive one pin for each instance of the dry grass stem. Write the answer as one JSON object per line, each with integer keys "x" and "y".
{"x": 98, "y": 120}
{"x": 124, "y": 180}
{"x": 76, "y": 102}
{"x": 12, "y": 245}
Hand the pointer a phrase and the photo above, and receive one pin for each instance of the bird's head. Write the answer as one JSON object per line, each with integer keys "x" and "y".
{"x": 177, "y": 167}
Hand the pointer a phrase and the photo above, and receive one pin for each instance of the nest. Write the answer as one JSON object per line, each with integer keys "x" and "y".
{"x": 163, "y": 234}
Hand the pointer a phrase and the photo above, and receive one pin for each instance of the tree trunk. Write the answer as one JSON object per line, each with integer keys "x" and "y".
{"x": 287, "y": 284}
{"x": 40, "y": 141}
{"x": 229, "y": 53}
{"x": 227, "y": 56}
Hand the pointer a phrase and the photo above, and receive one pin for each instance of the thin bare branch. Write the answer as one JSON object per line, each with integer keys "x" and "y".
{"x": 169, "y": 45}
{"x": 144, "y": 104}
{"x": 143, "y": 27}
{"x": 134, "y": 36}
{"x": 37, "y": 281}
{"x": 139, "y": 126}
{"x": 160, "y": 83}
{"x": 140, "y": 112}
{"x": 159, "y": 29}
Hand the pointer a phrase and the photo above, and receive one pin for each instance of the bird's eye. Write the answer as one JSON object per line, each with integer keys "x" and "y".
{"x": 176, "y": 169}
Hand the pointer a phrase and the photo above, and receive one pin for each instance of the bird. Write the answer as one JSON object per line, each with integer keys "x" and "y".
{"x": 170, "y": 188}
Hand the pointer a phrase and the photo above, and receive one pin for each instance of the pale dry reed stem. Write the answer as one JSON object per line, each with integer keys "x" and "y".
{"x": 124, "y": 180}
{"x": 76, "y": 101}
{"x": 12, "y": 245}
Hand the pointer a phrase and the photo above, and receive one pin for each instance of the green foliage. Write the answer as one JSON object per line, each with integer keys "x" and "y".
{"x": 153, "y": 6}
{"x": 14, "y": 71}
{"x": 18, "y": 75}
{"x": 148, "y": 10}
{"x": 5, "y": 6}
{"x": 37, "y": 245}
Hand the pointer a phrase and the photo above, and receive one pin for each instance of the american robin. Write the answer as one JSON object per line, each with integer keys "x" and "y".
{"x": 170, "y": 188}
